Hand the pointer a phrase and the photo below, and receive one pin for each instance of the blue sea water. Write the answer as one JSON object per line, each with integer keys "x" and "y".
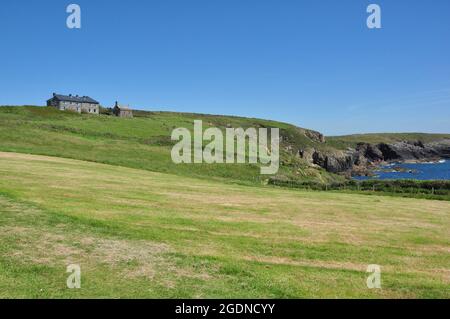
{"x": 420, "y": 171}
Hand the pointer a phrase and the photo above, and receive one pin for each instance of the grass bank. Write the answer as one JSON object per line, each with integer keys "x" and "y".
{"x": 143, "y": 142}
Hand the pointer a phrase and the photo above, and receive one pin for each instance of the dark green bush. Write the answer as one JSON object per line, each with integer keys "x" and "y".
{"x": 407, "y": 187}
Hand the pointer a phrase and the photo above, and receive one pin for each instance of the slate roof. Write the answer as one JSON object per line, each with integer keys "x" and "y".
{"x": 123, "y": 107}
{"x": 75, "y": 98}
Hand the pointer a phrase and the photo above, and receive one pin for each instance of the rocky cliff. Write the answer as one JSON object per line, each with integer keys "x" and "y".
{"x": 365, "y": 156}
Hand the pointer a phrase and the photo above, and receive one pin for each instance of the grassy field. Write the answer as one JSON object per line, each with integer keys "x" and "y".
{"x": 137, "y": 233}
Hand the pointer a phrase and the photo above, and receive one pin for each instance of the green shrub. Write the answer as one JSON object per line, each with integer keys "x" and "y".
{"x": 405, "y": 187}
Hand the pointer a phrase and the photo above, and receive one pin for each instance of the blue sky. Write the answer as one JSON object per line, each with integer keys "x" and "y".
{"x": 311, "y": 63}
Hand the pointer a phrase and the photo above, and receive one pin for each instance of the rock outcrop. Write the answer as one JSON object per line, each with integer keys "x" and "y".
{"x": 365, "y": 156}
{"x": 407, "y": 151}
{"x": 315, "y": 136}
{"x": 335, "y": 163}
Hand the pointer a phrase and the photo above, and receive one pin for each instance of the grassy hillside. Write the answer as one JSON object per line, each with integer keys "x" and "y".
{"x": 137, "y": 233}
{"x": 142, "y": 142}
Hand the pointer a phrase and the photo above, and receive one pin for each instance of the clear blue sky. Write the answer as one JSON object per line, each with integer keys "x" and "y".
{"x": 311, "y": 63}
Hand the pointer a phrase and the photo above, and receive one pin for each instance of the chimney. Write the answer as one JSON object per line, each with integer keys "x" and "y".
{"x": 54, "y": 94}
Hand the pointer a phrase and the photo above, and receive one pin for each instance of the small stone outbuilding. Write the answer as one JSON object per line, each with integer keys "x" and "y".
{"x": 122, "y": 111}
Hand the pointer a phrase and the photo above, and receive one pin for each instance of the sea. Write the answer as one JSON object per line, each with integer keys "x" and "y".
{"x": 420, "y": 171}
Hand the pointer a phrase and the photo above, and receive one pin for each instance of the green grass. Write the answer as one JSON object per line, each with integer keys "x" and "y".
{"x": 142, "y": 142}
{"x": 137, "y": 233}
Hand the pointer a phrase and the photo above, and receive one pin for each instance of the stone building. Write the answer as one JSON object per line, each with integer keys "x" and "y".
{"x": 75, "y": 103}
{"x": 122, "y": 111}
